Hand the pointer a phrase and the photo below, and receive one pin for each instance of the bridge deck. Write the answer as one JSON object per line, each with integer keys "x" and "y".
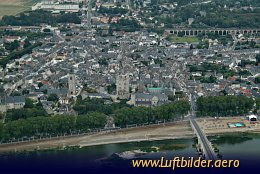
{"x": 208, "y": 149}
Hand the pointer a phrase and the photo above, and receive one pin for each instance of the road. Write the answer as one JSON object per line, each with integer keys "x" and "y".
{"x": 190, "y": 94}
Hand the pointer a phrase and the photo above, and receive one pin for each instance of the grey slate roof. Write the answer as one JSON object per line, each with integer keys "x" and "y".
{"x": 59, "y": 92}
{"x": 13, "y": 99}
{"x": 150, "y": 96}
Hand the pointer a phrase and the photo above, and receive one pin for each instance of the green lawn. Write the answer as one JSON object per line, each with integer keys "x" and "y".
{"x": 13, "y": 7}
{"x": 183, "y": 39}
{"x": 11, "y": 10}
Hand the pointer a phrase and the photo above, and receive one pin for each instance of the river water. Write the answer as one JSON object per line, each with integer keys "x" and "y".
{"x": 109, "y": 155}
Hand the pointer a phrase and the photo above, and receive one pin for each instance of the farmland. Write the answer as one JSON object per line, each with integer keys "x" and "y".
{"x": 13, "y": 7}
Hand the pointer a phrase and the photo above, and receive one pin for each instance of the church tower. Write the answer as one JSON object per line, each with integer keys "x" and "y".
{"x": 72, "y": 84}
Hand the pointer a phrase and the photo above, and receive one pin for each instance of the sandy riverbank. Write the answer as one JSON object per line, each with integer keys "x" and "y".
{"x": 218, "y": 126}
{"x": 155, "y": 132}
{"x": 149, "y": 133}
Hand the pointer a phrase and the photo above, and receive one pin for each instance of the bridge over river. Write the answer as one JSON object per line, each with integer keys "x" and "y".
{"x": 204, "y": 143}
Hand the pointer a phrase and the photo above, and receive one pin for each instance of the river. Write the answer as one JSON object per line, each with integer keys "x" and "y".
{"x": 231, "y": 147}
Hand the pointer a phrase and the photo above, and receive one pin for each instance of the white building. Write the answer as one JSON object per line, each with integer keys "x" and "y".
{"x": 56, "y": 7}
{"x": 252, "y": 118}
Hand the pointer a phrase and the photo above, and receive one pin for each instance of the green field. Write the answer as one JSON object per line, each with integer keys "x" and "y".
{"x": 13, "y": 7}
{"x": 183, "y": 39}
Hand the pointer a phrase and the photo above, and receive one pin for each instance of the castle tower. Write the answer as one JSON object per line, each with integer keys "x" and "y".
{"x": 122, "y": 86}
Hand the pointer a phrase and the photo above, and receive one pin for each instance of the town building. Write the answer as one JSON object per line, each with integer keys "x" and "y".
{"x": 11, "y": 102}
{"x": 148, "y": 99}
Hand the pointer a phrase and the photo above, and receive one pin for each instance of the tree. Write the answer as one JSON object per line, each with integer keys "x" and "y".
{"x": 128, "y": 25}
{"x": 46, "y": 30}
{"x": 257, "y": 58}
{"x": 90, "y": 121}
{"x": 257, "y": 79}
{"x": 40, "y": 84}
{"x": 28, "y": 103}
{"x": 36, "y": 126}
{"x": 26, "y": 43}
{"x": 122, "y": 116}
{"x": 93, "y": 3}
{"x": 2, "y": 89}
{"x": 112, "y": 11}
{"x": 55, "y": 125}
{"x": 258, "y": 104}
{"x": 92, "y": 105}
{"x": 53, "y": 97}
{"x": 111, "y": 88}
{"x": 17, "y": 54}
{"x": 16, "y": 93}
{"x": 35, "y": 18}
{"x": 24, "y": 113}
{"x": 224, "y": 105}
{"x": 89, "y": 89}
{"x": 140, "y": 115}
{"x": 12, "y": 46}
{"x": 1, "y": 130}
